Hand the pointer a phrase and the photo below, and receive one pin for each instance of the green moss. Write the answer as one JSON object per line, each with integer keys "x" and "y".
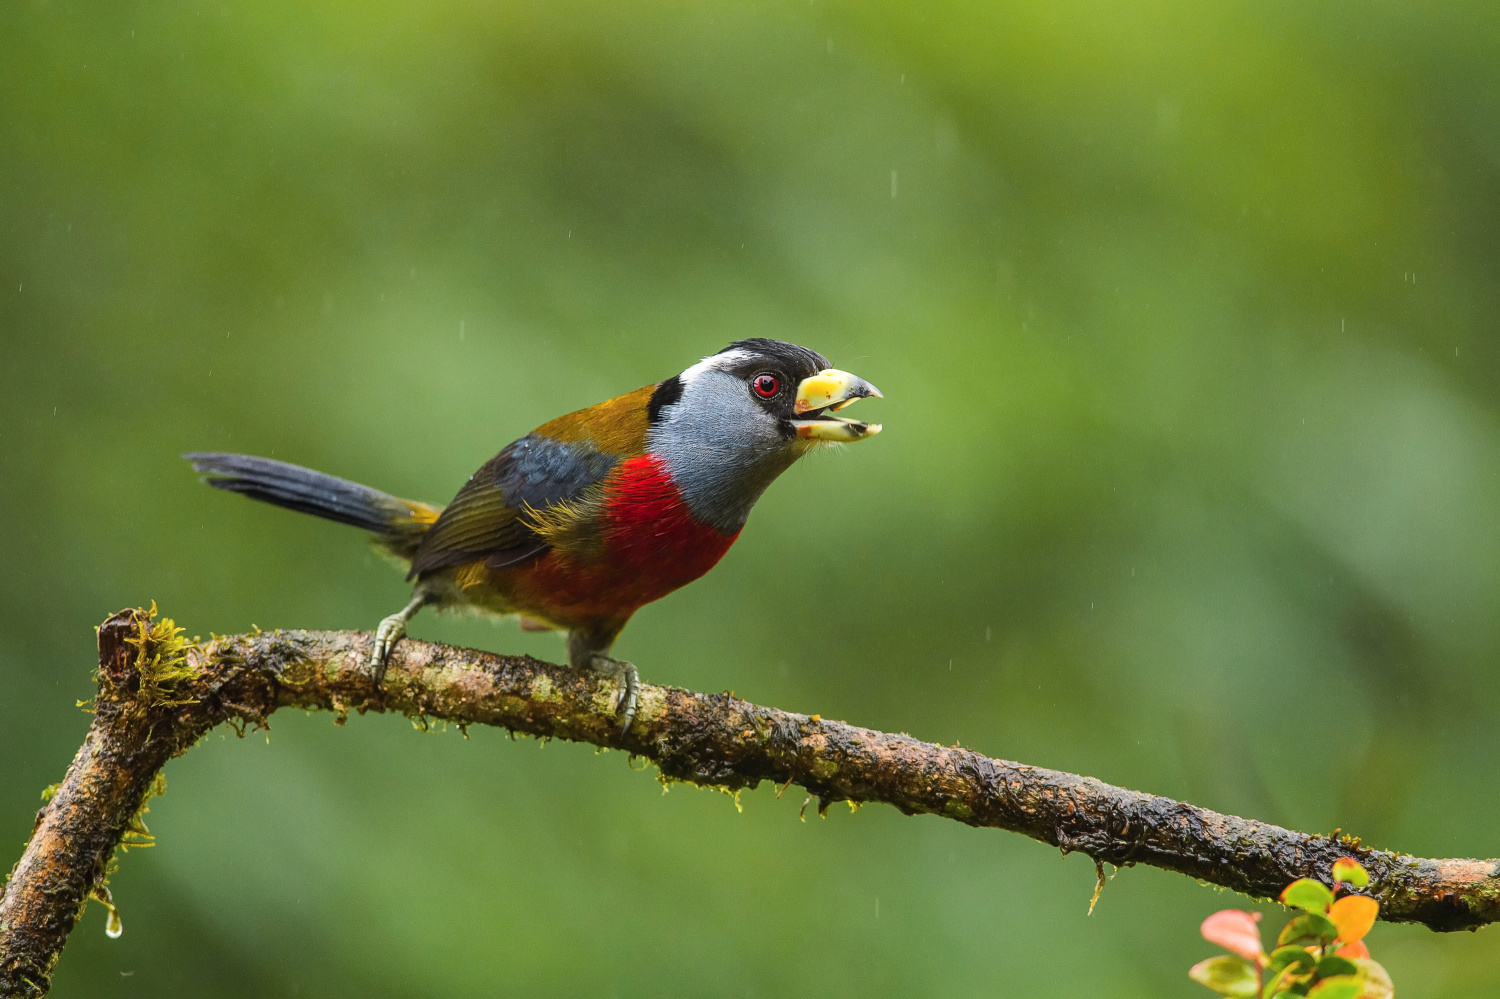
{"x": 958, "y": 809}
{"x": 161, "y": 660}
{"x": 136, "y": 833}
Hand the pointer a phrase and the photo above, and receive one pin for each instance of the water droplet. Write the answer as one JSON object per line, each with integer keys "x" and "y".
{"x": 113, "y": 927}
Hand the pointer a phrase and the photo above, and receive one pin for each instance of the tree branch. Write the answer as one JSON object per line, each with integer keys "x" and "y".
{"x": 159, "y": 694}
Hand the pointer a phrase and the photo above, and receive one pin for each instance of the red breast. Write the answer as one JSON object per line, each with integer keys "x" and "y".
{"x": 652, "y": 545}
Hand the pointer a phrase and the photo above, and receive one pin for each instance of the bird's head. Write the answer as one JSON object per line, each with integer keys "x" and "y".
{"x": 728, "y": 425}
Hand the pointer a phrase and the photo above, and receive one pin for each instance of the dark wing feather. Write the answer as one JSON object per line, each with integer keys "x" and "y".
{"x": 486, "y": 520}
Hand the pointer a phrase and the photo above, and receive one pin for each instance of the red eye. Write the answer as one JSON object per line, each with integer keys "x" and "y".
{"x": 766, "y": 386}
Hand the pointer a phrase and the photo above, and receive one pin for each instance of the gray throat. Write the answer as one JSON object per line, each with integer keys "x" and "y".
{"x": 721, "y": 449}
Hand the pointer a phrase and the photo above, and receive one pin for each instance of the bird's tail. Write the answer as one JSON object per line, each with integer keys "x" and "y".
{"x": 398, "y": 524}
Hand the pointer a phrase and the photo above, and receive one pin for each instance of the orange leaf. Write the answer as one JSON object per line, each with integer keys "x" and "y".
{"x": 1354, "y": 951}
{"x": 1353, "y": 915}
{"x": 1235, "y": 931}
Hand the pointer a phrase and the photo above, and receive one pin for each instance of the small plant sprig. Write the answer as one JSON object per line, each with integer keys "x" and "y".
{"x": 1320, "y": 954}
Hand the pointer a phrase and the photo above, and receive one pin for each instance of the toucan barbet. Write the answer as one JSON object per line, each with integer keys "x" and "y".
{"x": 591, "y": 516}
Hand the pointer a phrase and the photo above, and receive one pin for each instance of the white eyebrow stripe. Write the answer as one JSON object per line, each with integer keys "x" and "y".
{"x": 714, "y": 362}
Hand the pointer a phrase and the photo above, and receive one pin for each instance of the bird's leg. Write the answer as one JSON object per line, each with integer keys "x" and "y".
{"x": 587, "y": 649}
{"x": 391, "y": 631}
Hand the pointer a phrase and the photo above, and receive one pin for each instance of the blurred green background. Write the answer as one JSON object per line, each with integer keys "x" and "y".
{"x": 1186, "y": 320}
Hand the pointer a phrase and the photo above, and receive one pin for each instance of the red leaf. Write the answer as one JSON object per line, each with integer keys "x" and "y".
{"x": 1235, "y": 931}
{"x": 1354, "y": 951}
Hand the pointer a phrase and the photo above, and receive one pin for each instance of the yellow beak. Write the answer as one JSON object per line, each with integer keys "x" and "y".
{"x": 832, "y": 390}
{"x": 832, "y": 387}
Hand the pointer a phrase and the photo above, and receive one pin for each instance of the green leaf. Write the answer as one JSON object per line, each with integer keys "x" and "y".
{"x": 1310, "y": 927}
{"x": 1334, "y": 965}
{"x": 1273, "y": 984}
{"x": 1295, "y": 955}
{"x": 1305, "y": 893}
{"x": 1226, "y": 975}
{"x": 1338, "y": 987}
{"x": 1350, "y": 871}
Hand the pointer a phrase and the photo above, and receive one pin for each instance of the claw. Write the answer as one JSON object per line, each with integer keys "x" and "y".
{"x": 629, "y": 679}
{"x": 391, "y": 631}
{"x": 629, "y": 697}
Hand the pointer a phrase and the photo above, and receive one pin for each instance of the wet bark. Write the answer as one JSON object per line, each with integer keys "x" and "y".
{"x": 158, "y": 695}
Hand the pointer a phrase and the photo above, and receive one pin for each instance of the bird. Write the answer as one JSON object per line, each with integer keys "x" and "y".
{"x": 581, "y": 522}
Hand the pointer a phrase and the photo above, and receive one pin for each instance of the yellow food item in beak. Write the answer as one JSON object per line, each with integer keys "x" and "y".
{"x": 832, "y": 387}
{"x": 831, "y": 428}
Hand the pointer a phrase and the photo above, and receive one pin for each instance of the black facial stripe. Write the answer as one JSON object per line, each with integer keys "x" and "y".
{"x": 667, "y": 393}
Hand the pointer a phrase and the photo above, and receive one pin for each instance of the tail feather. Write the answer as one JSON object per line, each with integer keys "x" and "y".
{"x": 399, "y": 524}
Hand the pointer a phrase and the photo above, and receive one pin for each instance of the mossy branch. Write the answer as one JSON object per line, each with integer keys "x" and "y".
{"x": 158, "y": 694}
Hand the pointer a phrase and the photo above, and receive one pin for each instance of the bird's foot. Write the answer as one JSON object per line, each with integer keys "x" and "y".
{"x": 629, "y": 679}
{"x": 391, "y": 631}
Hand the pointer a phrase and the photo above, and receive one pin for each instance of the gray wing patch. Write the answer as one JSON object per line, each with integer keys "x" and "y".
{"x": 542, "y": 471}
{"x": 485, "y": 520}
